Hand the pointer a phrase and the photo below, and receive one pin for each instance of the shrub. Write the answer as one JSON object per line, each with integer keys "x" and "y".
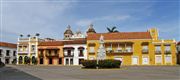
{"x": 14, "y": 61}
{"x": 89, "y": 63}
{"x": 2, "y": 64}
{"x": 109, "y": 63}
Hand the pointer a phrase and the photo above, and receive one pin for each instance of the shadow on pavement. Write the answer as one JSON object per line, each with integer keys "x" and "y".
{"x": 9, "y": 73}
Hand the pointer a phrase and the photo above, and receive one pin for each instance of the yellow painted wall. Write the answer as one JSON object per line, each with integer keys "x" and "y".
{"x": 137, "y": 51}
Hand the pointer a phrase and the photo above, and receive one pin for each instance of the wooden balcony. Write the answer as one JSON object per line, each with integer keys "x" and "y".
{"x": 40, "y": 55}
{"x": 52, "y": 55}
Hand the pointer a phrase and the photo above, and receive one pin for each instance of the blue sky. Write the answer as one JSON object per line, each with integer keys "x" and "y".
{"x": 51, "y": 17}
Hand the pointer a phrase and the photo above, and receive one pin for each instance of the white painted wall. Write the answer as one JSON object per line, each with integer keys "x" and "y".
{"x": 10, "y": 54}
{"x": 76, "y": 53}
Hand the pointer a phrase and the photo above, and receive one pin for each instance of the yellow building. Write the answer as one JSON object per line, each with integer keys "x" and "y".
{"x": 133, "y": 48}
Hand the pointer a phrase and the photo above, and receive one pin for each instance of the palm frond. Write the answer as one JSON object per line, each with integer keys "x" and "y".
{"x": 109, "y": 30}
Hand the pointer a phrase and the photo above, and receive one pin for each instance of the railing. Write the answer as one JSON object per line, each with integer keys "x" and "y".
{"x": 144, "y": 50}
{"x": 52, "y": 55}
{"x": 81, "y": 55}
{"x": 120, "y": 51}
{"x": 167, "y": 52}
{"x": 41, "y": 55}
{"x": 158, "y": 52}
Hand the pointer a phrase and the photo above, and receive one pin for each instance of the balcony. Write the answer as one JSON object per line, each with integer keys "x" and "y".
{"x": 167, "y": 52}
{"x": 68, "y": 55}
{"x": 52, "y": 55}
{"x": 158, "y": 52}
{"x": 40, "y": 55}
{"x": 144, "y": 51}
{"x": 126, "y": 51}
{"x": 7, "y": 56}
{"x": 81, "y": 55}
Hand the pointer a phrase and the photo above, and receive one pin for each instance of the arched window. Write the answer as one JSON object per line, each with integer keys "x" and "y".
{"x": 20, "y": 59}
{"x": 33, "y": 60}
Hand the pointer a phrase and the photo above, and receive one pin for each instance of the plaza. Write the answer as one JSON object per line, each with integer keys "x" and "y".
{"x": 26, "y": 72}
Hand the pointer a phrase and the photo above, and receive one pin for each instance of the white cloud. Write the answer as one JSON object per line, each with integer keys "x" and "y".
{"x": 31, "y": 17}
{"x": 85, "y": 22}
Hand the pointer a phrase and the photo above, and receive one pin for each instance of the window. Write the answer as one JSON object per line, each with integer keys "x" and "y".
{"x": 41, "y": 52}
{"x": 56, "y": 52}
{"x": 91, "y": 49}
{"x": 69, "y": 52}
{"x": 167, "y": 48}
{"x": 129, "y": 49}
{"x": 49, "y": 51}
{"x": 145, "y": 48}
{"x": 14, "y": 53}
{"x": 33, "y": 47}
{"x": 158, "y": 48}
{"x": 7, "y": 52}
{"x": 81, "y": 52}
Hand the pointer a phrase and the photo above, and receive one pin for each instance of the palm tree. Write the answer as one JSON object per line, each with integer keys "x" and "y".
{"x": 28, "y": 35}
{"x": 21, "y": 35}
{"x": 37, "y": 34}
{"x": 112, "y": 30}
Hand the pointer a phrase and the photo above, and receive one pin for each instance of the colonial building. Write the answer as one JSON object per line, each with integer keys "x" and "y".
{"x": 74, "y": 51}
{"x": 74, "y": 47}
{"x": 50, "y": 53}
{"x": 134, "y": 48}
{"x": 27, "y": 48}
{"x": 7, "y": 52}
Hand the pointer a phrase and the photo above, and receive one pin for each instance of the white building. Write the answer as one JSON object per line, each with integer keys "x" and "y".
{"x": 27, "y": 47}
{"x": 74, "y": 52}
{"x": 7, "y": 52}
{"x": 74, "y": 47}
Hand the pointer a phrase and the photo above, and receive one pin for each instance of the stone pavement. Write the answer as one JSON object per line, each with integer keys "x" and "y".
{"x": 25, "y": 72}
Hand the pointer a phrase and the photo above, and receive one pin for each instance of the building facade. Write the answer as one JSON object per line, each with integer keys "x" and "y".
{"x": 7, "y": 52}
{"x": 27, "y": 47}
{"x": 134, "y": 48}
{"x": 74, "y": 51}
{"x": 50, "y": 53}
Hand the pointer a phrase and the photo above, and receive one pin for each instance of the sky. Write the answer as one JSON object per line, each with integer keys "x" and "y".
{"x": 50, "y": 18}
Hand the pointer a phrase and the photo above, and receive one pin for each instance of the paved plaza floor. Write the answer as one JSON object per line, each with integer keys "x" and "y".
{"x": 26, "y": 72}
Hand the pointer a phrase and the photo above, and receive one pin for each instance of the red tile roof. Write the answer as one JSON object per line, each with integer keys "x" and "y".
{"x": 120, "y": 35}
{"x": 51, "y": 43}
{"x": 10, "y": 45}
{"x": 77, "y": 41}
{"x": 61, "y": 43}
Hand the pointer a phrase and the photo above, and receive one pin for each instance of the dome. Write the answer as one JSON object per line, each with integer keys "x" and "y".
{"x": 91, "y": 29}
{"x": 68, "y": 30}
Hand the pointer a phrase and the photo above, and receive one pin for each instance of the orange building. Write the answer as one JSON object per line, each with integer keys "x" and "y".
{"x": 50, "y": 52}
